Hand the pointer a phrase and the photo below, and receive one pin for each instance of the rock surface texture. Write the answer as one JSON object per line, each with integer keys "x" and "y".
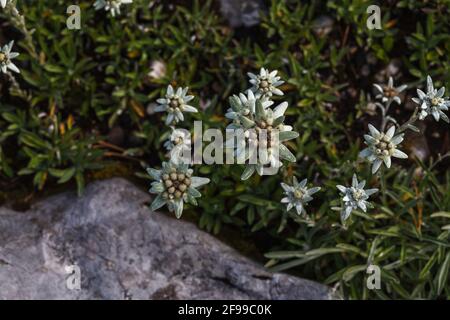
{"x": 125, "y": 251}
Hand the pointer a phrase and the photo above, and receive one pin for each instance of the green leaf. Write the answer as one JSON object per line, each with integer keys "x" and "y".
{"x": 322, "y": 251}
{"x": 292, "y": 264}
{"x": 351, "y": 248}
{"x": 258, "y": 201}
{"x": 31, "y": 78}
{"x": 235, "y": 103}
{"x": 67, "y": 175}
{"x": 425, "y": 272}
{"x": 443, "y": 274}
{"x": 238, "y": 207}
{"x": 54, "y": 68}
{"x": 32, "y": 140}
{"x": 40, "y": 179}
{"x": 57, "y": 173}
{"x": 285, "y": 254}
{"x": 440, "y": 214}
{"x": 10, "y": 117}
{"x": 352, "y": 271}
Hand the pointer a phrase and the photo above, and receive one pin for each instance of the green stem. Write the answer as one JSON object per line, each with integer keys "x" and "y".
{"x": 384, "y": 112}
{"x": 383, "y": 186}
{"x": 16, "y": 90}
{"x": 410, "y": 121}
{"x": 19, "y": 22}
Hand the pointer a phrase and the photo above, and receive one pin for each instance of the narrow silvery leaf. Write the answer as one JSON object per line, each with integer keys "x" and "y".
{"x": 154, "y": 174}
{"x": 278, "y": 121}
{"x": 288, "y": 135}
{"x": 198, "y": 182}
{"x": 234, "y": 103}
{"x": 192, "y": 200}
{"x": 413, "y": 128}
{"x": 248, "y": 171}
{"x": 444, "y": 117}
{"x": 178, "y": 206}
{"x": 286, "y": 154}
{"x": 158, "y": 203}
{"x": 194, "y": 192}
{"x": 246, "y": 122}
{"x": 157, "y": 187}
{"x": 430, "y": 86}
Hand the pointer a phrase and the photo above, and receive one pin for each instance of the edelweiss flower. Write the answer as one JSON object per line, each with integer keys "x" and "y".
{"x": 265, "y": 83}
{"x": 388, "y": 93}
{"x": 243, "y": 106}
{"x": 381, "y": 147}
{"x": 3, "y": 3}
{"x": 433, "y": 102}
{"x": 297, "y": 195}
{"x": 355, "y": 197}
{"x": 5, "y": 58}
{"x": 175, "y": 185}
{"x": 111, "y": 5}
{"x": 260, "y": 132}
{"x": 175, "y": 103}
{"x": 179, "y": 145}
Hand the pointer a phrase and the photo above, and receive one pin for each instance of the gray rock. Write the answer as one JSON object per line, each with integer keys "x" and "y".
{"x": 124, "y": 251}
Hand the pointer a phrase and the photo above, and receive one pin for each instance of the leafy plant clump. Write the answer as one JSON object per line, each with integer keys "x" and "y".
{"x": 372, "y": 157}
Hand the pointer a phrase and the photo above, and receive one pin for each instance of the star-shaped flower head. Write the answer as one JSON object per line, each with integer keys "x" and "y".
{"x": 432, "y": 102}
{"x": 175, "y": 103}
{"x": 381, "y": 147}
{"x": 388, "y": 93}
{"x": 265, "y": 83}
{"x": 175, "y": 185}
{"x": 112, "y": 6}
{"x": 263, "y": 129}
{"x": 242, "y": 106}
{"x": 355, "y": 197}
{"x": 5, "y": 58}
{"x": 179, "y": 145}
{"x": 298, "y": 195}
